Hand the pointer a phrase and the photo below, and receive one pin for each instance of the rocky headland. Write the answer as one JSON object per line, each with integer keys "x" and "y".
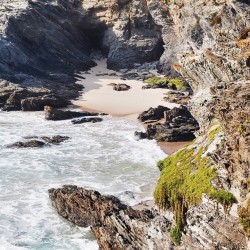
{"x": 202, "y": 196}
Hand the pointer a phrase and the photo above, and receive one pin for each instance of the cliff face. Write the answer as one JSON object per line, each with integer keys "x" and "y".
{"x": 43, "y": 43}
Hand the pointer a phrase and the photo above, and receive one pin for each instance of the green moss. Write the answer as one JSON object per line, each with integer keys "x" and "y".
{"x": 175, "y": 235}
{"x": 173, "y": 83}
{"x": 212, "y": 133}
{"x": 185, "y": 176}
{"x": 224, "y": 197}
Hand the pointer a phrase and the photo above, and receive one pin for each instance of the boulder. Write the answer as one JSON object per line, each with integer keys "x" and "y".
{"x": 90, "y": 119}
{"x": 121, "y": 87}
{"x": 56, "y": 114}
{"x": 153, "y": 114}
{"x": 38, "y": 103}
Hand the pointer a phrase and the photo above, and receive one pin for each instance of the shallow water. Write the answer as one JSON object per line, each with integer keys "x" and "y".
{"x": 104, "y": 156}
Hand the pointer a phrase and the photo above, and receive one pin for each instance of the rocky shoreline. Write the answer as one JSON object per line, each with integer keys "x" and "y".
{"x": 202, "y": 194}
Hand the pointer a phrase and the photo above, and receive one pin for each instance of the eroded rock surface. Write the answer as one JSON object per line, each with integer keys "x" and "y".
{"x": 115, "y": 225}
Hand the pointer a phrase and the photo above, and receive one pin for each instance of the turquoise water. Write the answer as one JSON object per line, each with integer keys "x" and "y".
{"x": 103, "y": 156}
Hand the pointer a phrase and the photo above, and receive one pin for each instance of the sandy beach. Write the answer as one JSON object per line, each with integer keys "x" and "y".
{"x": 98, "y": 95}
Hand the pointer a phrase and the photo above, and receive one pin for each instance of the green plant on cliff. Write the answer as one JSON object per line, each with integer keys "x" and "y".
{"x": 244, "y": 217}
{"x": 185, "y": 176}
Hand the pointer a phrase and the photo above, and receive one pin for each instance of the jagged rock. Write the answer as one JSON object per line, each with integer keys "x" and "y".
{"x": 121, "y": 87}
{"x": 153, "y": 114}
{"x": 179, "y": 125}
{"x": 115, "y": 225}
{"x": 84, "y": 120}
{"x": 56, "y": 114}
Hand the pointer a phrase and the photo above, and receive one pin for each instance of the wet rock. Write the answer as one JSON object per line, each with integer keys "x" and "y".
{"x": 114, "y": 224}
{"x": 57, "y": 139}
{"x": 84, "y": 120}
{"x": 28, "y": 144}
{"x": 140, "y": 135}
{"x": 153, "y": 114}
{"x": 56, "y": 114}
{"x": 121, "y": 87}
{"x": 38, "y": 142}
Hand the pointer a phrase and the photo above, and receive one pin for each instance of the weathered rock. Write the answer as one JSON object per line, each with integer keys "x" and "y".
{"x": 121, "y": 87}
{"x": 115, "y": 225}
{"x": 179, "y": 125}
{"x": 84, "y": 120}
{"x": 38, "y": 103}
{"x": 153, "y": 114}
{"x": 177, "y": 97}
{"x": 56, "y": 114}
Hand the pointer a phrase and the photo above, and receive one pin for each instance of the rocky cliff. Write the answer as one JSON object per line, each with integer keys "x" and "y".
{"x": 203, "y": 190}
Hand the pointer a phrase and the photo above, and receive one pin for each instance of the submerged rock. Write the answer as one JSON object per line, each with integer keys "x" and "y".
{"x": 38, "y": 142}
{"x": 114, "y": 224}
{"x": 84, "y": 120}
{"x": 56, "y": 114}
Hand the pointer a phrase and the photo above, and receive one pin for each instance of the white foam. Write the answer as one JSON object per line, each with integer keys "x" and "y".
{"x": 104, "y": 156}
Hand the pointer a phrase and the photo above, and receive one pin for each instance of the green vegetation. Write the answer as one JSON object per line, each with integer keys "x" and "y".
{"x": 244, "y": 214}
{"x": 173, "y": 83}
{"x": 185, "y": 176}
{"x": 214, "y": 132}
{"x": 175, "y": 234}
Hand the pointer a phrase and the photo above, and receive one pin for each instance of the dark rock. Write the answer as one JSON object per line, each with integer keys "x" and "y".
{"x": 57, "y": 139}
{"x": 153, "y": 114}
{"x": 121, "y": 87}
{"x": 179, "y": 97}
{"x": 114, "y": 224}
{"x": 84, "y": 120}
{"x": 56, "y": 114}
{"x": 140, "y": 135}
{"x": 160, "y": 85}
{"x": 28, "y": 144}
{"x": 179, "y": 125}
{"x": 37, "y": 142}
{"x": 38, "y": 103}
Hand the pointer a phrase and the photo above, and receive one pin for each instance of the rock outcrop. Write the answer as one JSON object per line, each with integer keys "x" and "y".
{"x": 115, "y": 225}
{"x": 57, "y": 114}
{"x": 178, "y": 124}
{"x": 84, "y": 120}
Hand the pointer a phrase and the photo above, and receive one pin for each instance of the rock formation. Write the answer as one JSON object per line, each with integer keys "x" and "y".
{"x": 57, "y": 114}
{"x": 44, "y": 43}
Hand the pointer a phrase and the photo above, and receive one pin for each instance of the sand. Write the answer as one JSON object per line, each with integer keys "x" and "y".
{"x": 99, "y": 96}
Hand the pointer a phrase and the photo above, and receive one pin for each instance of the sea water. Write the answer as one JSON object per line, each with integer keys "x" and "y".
{"x": 103, "y": 156}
